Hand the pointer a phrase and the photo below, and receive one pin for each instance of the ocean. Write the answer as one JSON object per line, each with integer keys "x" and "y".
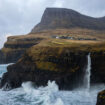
{"x": 28, "y": 94}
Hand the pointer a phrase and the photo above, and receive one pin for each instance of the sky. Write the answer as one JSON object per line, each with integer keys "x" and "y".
{"x": 18, "y": 17}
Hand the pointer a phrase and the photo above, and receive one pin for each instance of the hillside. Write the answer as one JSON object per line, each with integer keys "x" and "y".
{"x": 15, "y": 46}
{"x": 61, "y": 18}
{"x": 59, "y": 22}
{"x": 59, "y": 60}
{"x": 57, "y": 50}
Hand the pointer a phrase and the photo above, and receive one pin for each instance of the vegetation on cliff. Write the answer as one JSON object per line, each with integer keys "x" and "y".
{"x": 61, "y": 60}
{"x": 17, "y": 45}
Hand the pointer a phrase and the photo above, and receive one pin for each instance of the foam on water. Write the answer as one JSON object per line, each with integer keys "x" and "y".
{"x": 43, "y": 95}
{"x": 49, "y": 95}
{"x": 28, "y": 94}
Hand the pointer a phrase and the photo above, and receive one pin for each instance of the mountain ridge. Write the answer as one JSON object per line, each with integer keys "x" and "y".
{"x": 62, "y": 18}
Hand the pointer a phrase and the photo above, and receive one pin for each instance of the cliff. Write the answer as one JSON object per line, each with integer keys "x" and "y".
{"x": 63, "y": 61}
{"x": 101, "y": 98}
{"x": 40, "y": 64}
{"x": 40, "y": 56}
{"x": 54, "y": 22}
{"x": 61, "y": 18}
{"x": 15, "y": 47}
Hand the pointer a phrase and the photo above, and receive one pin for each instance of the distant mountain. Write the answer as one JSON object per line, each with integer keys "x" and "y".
{"x": 60, "y": 18}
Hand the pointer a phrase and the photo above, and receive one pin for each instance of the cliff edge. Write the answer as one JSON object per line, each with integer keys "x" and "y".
{"x": 63, "y": 61}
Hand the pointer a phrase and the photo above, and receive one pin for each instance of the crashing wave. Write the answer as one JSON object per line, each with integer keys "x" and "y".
{"x": 43, "y": 95}
{"x": 7, "y": 87}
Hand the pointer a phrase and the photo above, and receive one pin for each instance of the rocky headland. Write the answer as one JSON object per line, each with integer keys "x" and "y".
{"x": 15, "y": 47}
{"x": 64, "y": 62}
{"x": 40, "y": 57}
{"x": 55, "y": 21}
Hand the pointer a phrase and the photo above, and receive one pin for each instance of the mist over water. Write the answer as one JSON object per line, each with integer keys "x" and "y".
{"x": 28, "y": 94}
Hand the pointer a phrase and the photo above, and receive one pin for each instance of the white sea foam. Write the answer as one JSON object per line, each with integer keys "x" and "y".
{"x": 45, "y": 95}
{"x": 49, "y": 95}
{"x": 28, "y": 94}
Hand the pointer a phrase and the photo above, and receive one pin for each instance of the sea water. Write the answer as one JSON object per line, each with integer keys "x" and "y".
{"x": 28, "y": 94}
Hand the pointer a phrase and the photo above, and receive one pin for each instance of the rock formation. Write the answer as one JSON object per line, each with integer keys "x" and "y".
{"x": 67, "y": 21}
{"x": 61, "y": 18}
{"x": 58, "y": 62}
{"x": 101, "y": 98}
{"x": 40, "y": 58}
{"x": 15, "y": 47}
{"x": 40, "y": 64}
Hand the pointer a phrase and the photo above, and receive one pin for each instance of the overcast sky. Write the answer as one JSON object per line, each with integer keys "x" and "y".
{"x": 20, "y": 16}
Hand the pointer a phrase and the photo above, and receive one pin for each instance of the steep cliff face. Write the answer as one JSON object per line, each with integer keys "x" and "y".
{"x": 15, "y": 47}
{"x": 61, "y": 18}
{"x": 63, "y": 61}
{"x": 59, "y": 21}
{"x": 11, "y": 56}
{"x": 98, "y": 67}
{"x": 46, "y": 63}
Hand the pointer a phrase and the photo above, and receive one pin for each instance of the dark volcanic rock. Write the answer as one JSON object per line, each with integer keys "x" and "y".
{"x": 101, "y": 98}
{"x": 14, "y": 49}
{"x": 11, "y": 57}
{"x": 67, "y": 69}
{"x": 61, "y": 64}
{"x": 98, "y": 67}
{"x": 61, "y": 18}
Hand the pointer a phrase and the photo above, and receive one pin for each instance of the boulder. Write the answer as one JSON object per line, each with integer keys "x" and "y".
{"x": 101, "y": 98}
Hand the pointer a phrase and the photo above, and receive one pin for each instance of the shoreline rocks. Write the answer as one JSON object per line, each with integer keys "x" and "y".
{"x": 101, "y": 98}
{"x": 67, "y": 69}
{"x": 64, "y": 65}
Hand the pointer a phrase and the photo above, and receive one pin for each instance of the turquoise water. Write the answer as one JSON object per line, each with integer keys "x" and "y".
{"x": 27, "y": 94}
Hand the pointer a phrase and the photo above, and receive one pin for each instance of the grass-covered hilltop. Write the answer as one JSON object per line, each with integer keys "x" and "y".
{"x": 55, "y": 22}
{"x": 59, "y": 55}
{"x": 15, "y": 46}
{"x": 56, "y": 51}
